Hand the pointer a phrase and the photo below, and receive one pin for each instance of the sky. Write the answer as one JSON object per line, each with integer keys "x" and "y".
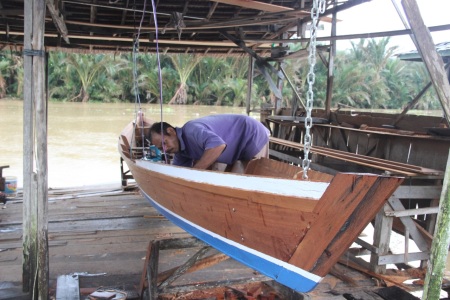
{"x": 381, "y": 15}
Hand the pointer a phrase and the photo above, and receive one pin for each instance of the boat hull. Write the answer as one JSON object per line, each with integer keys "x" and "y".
{"x": 290, "y": 230}
{"x": 284, "y": 273}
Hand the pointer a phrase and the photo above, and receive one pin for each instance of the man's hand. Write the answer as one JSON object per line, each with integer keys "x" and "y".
{"x": 209, "y": 157}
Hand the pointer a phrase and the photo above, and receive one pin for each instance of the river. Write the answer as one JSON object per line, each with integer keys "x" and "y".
{"x": 82, "y": 137}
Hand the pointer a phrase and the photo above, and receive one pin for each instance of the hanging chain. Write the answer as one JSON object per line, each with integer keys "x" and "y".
{"x": 318, "y": 8}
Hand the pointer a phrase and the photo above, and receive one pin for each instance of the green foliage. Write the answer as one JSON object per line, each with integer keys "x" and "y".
{"x": 366, "y": 76}
{"x": 11, "y": 74}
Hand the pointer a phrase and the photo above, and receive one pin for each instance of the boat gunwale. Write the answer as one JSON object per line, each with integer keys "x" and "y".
{"x": 245, "y": 182}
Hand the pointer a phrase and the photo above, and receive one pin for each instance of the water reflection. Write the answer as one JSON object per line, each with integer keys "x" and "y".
{"x": 82, "y": 137}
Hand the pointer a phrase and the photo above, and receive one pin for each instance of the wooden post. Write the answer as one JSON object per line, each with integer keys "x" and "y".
{"x": 249, "y": 83}
{"x": 440, "y": 244}
{"x": 433, "y": 61}
{"x": 35, "y": 186}
{"x": 330, "y": 77}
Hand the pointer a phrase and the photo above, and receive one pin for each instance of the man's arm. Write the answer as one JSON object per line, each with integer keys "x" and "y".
{"x": 209, "y": 157}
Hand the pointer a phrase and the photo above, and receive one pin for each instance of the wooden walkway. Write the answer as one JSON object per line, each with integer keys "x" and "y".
{"x": 102, "y": 233}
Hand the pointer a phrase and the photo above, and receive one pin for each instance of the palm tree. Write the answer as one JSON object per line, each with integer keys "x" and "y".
{"x": 350, "y": 84}
{"x": 148, "y": 78}
{"x": 184, "y": 65}
{"x": 201, "y": 80}
{"x": 11, "y": 75}
{"x": 4, "y": 65}
{"x": 399, "y": 89}
{"x": 88, "y": 69}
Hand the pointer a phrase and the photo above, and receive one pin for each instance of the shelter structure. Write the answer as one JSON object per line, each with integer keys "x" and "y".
{"x": 259, "y": 29}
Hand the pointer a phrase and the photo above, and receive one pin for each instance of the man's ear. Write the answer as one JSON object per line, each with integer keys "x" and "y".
{"x": 171, "y": 131}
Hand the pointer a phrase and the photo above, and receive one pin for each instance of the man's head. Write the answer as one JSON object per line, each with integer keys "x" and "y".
{"x": 164, "y": 136}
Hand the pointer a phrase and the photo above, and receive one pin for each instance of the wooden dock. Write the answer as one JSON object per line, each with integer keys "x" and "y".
{"x": 101, "y": 234}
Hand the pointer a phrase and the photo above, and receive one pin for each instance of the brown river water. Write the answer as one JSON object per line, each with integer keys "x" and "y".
{"x": 82, "y": 137}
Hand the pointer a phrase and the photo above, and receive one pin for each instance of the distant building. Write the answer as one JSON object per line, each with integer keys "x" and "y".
{"x": 442, "y": 48}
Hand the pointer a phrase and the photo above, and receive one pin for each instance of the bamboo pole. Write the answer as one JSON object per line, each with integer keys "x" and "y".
{"x": 35, "y": 211}
{"x": 440, "y": 244}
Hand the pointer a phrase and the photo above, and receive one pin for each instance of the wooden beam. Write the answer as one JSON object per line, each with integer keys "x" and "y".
{"x": 58, "y": 19}
{"x": 412, "y": 212}
{"x": 367, "y": 35}
{"x": 35, "y": 225}
{"x": 255, "y": 5}
{"x": 433, "y": 61}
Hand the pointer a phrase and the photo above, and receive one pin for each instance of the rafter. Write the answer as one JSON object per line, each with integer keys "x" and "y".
{"x": 255, "y": 5}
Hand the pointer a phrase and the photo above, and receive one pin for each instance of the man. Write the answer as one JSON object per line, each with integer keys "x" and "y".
{"x": 228, "y": 139}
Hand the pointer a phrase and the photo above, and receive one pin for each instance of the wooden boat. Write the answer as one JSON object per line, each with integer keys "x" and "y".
{"x": 289, "y": 229}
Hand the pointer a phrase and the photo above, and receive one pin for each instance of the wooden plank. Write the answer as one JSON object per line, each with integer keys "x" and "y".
{"x": 152, "y": 270}
{"x": 273, "y": 168}
{"x": 144, "y": 271}
{"x": 369, "y": 161}
{"x": 68, "y": 287}
{"x": 182, "y": 269}
{"x": 356, "y": 266}
{"x": 418, "y": 192}
{"x": 402, "y": 258}
{"x": 255, "y": 5}
{"x": 412, "y": 212}
{"x": 199, "y": 265}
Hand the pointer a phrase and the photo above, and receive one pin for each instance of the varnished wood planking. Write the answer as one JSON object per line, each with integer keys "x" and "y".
{"x": 271, "y": 168}
{"x": 235, "y": 218}
{"x": 341, "y": 221}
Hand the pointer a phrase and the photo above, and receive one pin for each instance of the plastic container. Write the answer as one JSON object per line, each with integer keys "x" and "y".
{"x": 10, "y": 186}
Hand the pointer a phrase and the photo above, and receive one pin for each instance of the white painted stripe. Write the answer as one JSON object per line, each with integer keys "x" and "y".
{"x": 304, "y": 273}
{"x": 279, "y": 186}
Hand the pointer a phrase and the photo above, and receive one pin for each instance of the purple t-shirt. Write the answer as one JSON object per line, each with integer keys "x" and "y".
{"x": 244, "y": 138}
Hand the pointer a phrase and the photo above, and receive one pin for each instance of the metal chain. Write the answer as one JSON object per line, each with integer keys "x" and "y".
{"x": 318, "y": 8}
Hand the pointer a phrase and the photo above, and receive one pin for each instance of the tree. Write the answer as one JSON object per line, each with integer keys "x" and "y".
{"x": 184, "y": 65}
{"x": 11, "y": 75}
{"x": 148, "y": 78}
{"x": 88, "y": 69}
{"x": 201, "y": 80}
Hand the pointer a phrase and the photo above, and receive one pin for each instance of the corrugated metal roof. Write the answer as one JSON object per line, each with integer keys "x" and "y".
{"x": 442, "y": 48}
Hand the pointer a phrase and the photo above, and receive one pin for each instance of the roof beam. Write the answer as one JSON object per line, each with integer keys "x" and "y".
{"x": 255, "y": 5}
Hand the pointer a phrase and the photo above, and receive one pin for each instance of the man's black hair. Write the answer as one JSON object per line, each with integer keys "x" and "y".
{"x": 160, "y": 127}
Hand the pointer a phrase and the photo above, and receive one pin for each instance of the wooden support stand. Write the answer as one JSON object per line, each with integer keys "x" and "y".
{"x": 124, "y": 175}
{"x": 155, "y": 283}
{"x": 404, "y": 220}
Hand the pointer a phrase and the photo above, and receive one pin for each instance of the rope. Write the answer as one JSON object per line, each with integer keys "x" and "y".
{"x": 137, "y": 100}
{"x": 159, "y": 79}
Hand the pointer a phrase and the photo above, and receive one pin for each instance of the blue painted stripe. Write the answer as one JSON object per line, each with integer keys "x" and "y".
{"x": 282, "y": 272}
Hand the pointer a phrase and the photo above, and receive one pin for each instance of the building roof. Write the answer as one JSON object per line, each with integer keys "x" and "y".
{"x": 191, "y": 26}
{"x": 442, "y": 48}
